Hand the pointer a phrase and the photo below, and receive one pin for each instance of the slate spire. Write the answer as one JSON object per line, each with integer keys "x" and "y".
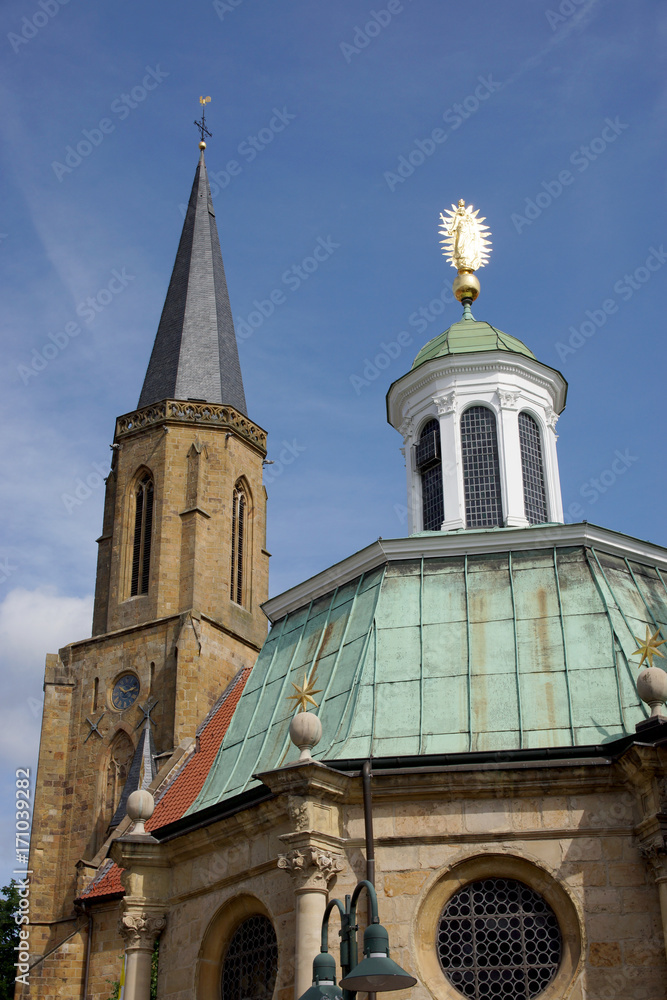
{"x": 195, "y": 354}
{"x": 141, "y": 773}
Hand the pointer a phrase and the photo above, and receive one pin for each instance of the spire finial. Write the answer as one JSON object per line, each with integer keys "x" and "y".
{"x": 467, "y": 247}
{"x": 202, "y": 124}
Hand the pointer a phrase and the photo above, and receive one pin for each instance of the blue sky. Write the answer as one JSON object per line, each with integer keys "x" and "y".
{"x": 549, "y": 116}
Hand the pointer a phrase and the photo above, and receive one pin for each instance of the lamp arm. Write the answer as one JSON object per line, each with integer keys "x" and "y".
{"x": 375, "y": 919}
{"x": 324, "y": 946}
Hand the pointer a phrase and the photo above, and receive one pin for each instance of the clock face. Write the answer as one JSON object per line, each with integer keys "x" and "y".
{"x": 125, "y": 692}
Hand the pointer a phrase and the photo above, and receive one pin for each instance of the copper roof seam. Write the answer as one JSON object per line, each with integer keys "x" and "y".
{"x": 421, "y": 655}
{"x": 516, "y": 650}
{"x": 641, "y": 594}
{"x": 278, "y": 700}
{"x": 354, "y": 687}
{"x": 252, "y": 719}
{"x": 612, "y": 629}
{"x": 469, "y": 676}
{"x": 565, "y": 659}
{"x": 287, "y": 740}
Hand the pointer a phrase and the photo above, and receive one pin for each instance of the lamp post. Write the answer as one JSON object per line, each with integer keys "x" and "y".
{"x": 376, "y": 973}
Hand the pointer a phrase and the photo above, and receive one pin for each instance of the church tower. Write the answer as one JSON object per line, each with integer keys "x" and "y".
{"x": 182, "y": 571}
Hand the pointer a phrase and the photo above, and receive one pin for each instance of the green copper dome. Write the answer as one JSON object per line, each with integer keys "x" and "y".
{"x": 470, "y": 336}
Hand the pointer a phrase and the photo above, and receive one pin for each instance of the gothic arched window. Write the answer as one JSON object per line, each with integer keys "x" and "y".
{"x": 532, "y": 467}
{"x": 481, "y": 468}
{"x": 143, "y": 529}
{"x": 118, "y": 769}
{"x": 429, "y": 466}
{"x": 237, "y": 587}
{"x": 250, "y": 965}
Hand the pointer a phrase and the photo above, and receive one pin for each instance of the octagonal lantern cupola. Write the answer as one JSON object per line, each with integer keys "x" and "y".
{"x": 477, "y": 412}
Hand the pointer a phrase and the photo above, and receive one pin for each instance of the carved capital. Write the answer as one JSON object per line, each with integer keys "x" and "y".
{"x": 310, "y": 867}
{"x": 140, "y": 930}
{"x": 406, "y": 429}
{"x": 507, "y": 400}
{"x": 445, "y": 403}
{"x": 551, "y": 418}
{"x": 655, "y": 856}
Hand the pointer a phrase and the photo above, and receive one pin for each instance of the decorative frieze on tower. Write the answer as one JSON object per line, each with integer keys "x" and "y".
{"x": 477, "y": 413}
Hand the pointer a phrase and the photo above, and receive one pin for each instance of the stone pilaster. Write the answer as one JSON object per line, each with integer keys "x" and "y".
{"x": 140, "y": 925}
{"x": 311, "y": 870}
{"x": 655, "y": 855}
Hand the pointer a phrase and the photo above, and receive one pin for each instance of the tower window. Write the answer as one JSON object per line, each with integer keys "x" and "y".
{"x": 534, "y": 492}
{"x": 481, "y": 468}
{"x": 239, "y": 526}
{"x": 143, "y": 527}
{"x": 250, "y": 966}
{"x": 429, "y": 465}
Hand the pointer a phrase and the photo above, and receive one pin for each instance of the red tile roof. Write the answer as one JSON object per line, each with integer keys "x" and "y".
{"x": 184, "y": 786}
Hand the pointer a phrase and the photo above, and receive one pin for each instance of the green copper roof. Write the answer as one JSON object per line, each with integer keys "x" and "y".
{"x": 491, "y": 651}
{"x": 469, "y": 336}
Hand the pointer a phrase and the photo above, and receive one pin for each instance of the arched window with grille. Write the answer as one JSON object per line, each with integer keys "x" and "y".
{"x": 143, "y": 530}
{"x": 429, "y": 466}
{"x": 532, "y": 467}
{"x": 481, "y": 468}
{"x": 238, "y": 583}
{"x": 250, "y": 965}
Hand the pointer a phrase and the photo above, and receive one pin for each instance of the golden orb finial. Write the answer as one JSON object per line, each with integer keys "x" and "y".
{"x": 467, "y": 247}
{"x": 202, "y": 145}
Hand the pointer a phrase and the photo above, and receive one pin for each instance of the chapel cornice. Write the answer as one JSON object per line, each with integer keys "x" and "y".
{"x": 494, "y": 362}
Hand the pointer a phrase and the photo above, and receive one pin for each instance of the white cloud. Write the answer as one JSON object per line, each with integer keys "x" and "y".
{"x": 32, "y": 624}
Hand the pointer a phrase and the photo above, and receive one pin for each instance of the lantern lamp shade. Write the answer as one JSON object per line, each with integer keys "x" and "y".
{"x": 377, "y": 973}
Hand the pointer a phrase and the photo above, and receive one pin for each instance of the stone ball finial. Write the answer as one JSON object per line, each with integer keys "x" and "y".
{"x": 305, "y": 731}
{"x": 652, "y": 689}
{"x": 140, "y": 807}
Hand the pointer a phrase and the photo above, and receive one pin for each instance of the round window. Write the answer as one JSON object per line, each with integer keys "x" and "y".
{"x": 498, "y": 938}
{"x": 250, "y": 965}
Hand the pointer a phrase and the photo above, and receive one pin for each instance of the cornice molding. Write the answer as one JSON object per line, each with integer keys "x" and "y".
{"x": 177, "y": 412}
{"x": 489, "y": 361}
{"x": 449, "y": 544}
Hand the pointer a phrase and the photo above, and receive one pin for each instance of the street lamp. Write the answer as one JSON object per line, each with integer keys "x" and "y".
{"x": 376, "y": 973}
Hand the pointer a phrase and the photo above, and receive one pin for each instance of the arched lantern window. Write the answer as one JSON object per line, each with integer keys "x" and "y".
{"x": 532, "y": 467}
{"x": 481, "y": 468}
{"x": 429, "y": 466}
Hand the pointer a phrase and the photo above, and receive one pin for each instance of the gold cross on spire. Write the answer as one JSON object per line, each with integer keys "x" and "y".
{"x": 202, "y": 124}
{"x": 303, "y": 693}
{"x": 648, "y": 647}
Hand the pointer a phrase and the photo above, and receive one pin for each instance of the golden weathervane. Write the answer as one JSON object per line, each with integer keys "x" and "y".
{"x": 303, "y": 693}
{"x": 648, "y": 647}
{"x": 466, "y": 245}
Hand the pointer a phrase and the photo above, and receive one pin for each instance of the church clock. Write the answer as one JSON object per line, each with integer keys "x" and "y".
{"x": 125, "y": 692}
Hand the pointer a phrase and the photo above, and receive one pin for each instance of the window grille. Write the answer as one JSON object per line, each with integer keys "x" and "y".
{"x": 250, "y": 966}
{"x": 429, "y": 465}
{"x": 481, "y": 468}
{"x": 143, "y": 530}
{"x": 534, "y": 492}
{"x": 498, "y": 938}
{"x": 239, "y": 517}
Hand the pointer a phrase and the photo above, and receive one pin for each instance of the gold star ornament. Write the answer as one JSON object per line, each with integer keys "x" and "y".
{"x": 648, "y": 647}
{"x": 303, "y": 693}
